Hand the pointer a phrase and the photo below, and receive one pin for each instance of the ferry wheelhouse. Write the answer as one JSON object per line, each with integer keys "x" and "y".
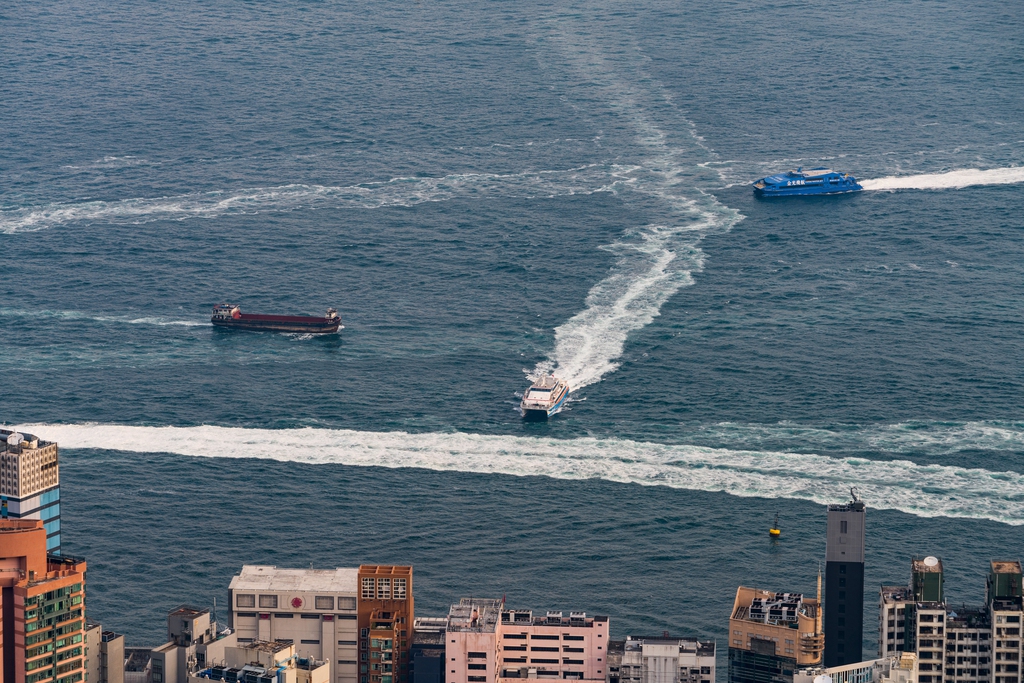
{"x": 800, "y": 182}
{"x": 544, "y": 398}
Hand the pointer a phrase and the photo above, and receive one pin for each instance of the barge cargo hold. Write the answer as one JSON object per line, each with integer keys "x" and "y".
{"x": 231, "y": 316}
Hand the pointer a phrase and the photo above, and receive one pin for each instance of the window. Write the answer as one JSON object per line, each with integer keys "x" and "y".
{"x": 245, "y": 600}
{"x": 365, "y": 632}
{"x": 842, "y": 569}
{"x": 478, "y": 667}
{"x": 249, "y": 615}
{"x": 400, "y": 589}
{"x": 310, "y": 616}
{"x": 346, "y": 661}
{"x": 346, "y": 616}
{"x": 268, "y": 601}
{"x": 283, "y": 616}
{"x": 367, "y": 588}
{"x": 346, "y": 602}
{"x": 324, "y": 601}
{"x": 383, "y": 589}
{"x": 310, "y": 642}
{"x": 477, "y": 655}
{"x": 842, "y": 527}
{"x": 346, "y": 642}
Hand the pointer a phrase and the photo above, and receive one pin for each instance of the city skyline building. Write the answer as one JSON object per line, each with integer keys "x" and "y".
{"x": 844, "y": 583}
{"x": 317, "y": 609}
{"x": 30, "y": 482}
{"x": 771, "y": 635}
{"x": 386, "y": 615}
{"x": 966, "y": 644}
{"x": 487, "y": 643}
{"x": 661, "y": 660}
{"x": 42, "y": 601}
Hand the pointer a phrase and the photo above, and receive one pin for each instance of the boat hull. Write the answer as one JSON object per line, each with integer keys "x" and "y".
{"x": 540, "y": 415}
{"x": 804, "y": 191}
{"x": 317, "y": 326}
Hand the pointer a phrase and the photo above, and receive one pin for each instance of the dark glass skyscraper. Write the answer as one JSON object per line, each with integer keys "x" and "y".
{"x": 844, "y": 584}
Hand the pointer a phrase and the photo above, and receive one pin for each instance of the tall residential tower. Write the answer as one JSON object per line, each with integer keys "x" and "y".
{"x": 844, "y": 584}
{"x": 30, "y": 483}
{"x": 43, "y": 604}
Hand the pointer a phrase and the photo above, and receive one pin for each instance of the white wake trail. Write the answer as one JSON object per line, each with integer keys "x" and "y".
{"x": 653, "y": 261}
{"x": 395, "y": 192}
{"x": 922, "y": 490}
{"x": 952, "y": 180}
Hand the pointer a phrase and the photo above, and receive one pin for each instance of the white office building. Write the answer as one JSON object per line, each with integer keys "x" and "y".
{"x": 315, "y": 609}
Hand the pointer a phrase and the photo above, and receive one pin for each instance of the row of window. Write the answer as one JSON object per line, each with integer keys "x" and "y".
{"x": 522, "y": 660}
{"x": 384, "y": 588}
{"x": 284, "y": 615}
{"x": 324, "y": 602}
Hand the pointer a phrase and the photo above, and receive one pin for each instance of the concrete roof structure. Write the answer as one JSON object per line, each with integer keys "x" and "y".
{"x": 270, "y": 578}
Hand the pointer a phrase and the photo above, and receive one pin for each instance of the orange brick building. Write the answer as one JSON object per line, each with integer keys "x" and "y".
{"x": 385, "y": 609}
{"x": 43, "y": 607}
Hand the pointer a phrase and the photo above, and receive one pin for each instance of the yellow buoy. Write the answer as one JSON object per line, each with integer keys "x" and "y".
{"x": 775, "y": 531}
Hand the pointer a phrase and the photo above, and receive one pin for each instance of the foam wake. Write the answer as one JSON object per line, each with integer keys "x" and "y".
{"x": 395, "y": 192}
{"x": 80, "y": 315}
{"x": 923, "y": 490}
{"x": 948, "y": 181}
{"x": 653, "y": 261}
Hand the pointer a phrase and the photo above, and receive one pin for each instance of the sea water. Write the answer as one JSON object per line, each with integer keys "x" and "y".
{"x": 489, "y": 191}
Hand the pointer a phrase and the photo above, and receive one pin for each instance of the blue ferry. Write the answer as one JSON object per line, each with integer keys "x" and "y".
{"x": 801, "y": 182}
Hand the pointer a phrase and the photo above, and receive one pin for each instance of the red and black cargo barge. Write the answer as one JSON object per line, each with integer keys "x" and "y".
{"x": 229, "y": 315}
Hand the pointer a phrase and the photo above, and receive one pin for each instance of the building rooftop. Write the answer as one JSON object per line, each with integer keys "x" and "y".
{"x": 703, "y": 648}
{"x": 479, "y": 615}
{"x": 1006, "y": 567}
{"x": 268, "y": 578}
{"x": 896, "y": 593}
{"x": 969, "y": 617}
{"x": 430, "y": 624}
{"x": 428, "y": 638}
{"x": 525, "y": 618}
{"x": 14, "y": 445}
{"x": 853, "y": 506}
{"x": 271, "y": 646}
{"x": 927, "y": 565}
{"x": 187, "y": 611}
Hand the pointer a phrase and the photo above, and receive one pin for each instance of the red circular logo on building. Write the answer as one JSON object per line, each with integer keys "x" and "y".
{"x": 296, "y": 602}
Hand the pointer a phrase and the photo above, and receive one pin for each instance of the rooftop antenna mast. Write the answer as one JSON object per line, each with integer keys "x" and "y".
{"x": 853, "y": 494}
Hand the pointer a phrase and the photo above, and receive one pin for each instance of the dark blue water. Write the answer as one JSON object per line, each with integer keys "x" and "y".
{"x": 487, "y": 190}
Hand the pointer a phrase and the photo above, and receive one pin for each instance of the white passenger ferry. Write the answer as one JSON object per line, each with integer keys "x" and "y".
{"x": 544, "y": 398}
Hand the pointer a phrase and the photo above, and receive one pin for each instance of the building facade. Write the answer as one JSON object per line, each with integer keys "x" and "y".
{"x": 844, "y": 584}
{"x": 386, "y": 615}
{"x": 771, "y": 635}
{"x": 316, "y": 609}
{"x": 263, "y": 662}
{"x": 43, "y": 606}
{"x": 661, "y": 660}
{"x": 955, "y": 644}
{"x": 104, "y": 655}
{"x": 30, "y": 483}
{"x": 426, "y": 653}
{"x": 486, "y": 643}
